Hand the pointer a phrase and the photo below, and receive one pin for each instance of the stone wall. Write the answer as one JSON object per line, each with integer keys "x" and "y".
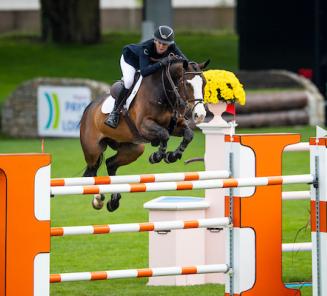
{"x": 19, "y": 112}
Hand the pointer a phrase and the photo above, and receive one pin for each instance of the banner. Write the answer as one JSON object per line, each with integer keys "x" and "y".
{"x": 60, "y": 108}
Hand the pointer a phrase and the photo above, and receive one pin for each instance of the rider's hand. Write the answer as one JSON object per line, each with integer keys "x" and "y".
{"x": 164, "y": 61}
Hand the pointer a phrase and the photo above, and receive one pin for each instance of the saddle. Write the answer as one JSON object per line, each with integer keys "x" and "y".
{"x": 115, "y": 90}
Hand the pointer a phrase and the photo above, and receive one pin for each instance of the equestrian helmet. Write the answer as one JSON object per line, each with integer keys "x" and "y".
{"x": 164, "y": 34}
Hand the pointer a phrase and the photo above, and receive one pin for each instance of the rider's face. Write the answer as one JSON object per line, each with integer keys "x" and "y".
{"x": 160, "y": 47}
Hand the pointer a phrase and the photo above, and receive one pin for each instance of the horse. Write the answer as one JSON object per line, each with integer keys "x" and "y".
{"x": 157, "y": 111}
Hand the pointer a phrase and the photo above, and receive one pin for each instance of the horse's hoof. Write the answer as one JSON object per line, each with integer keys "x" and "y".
{"x": 156, "y": 157}
{"x": 172, "y": 157}
{"x": 97, "y": 201}
{"x": 113, "y": 204}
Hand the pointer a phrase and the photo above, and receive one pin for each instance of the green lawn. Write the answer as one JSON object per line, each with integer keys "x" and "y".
{"x": 124, "y": 251}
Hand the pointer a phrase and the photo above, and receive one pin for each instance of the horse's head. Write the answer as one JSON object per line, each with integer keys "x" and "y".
{"x": 187, "y": 84}
{"x": 193, "y": 82}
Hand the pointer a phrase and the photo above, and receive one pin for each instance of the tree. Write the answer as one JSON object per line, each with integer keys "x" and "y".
{"x": 70, "y": 21}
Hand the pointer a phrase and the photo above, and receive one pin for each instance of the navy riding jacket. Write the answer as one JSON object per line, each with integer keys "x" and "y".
{"x": 138, "y": 56}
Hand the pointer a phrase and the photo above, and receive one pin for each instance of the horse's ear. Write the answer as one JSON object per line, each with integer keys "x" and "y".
{"x": 204, "y": 64}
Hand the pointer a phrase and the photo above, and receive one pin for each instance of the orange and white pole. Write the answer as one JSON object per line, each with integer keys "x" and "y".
{"x": 146, "y": 178}
{"x": 186, "y": 185}
{"x": 138, "y": 273}
{"x": 140, "y": 227}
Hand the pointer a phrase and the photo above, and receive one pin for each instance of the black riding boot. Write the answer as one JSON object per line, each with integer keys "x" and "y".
{"x": 113, "y": 119}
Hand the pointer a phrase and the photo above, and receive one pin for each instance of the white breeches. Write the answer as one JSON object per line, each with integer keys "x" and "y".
{"x": 128, "y": 73}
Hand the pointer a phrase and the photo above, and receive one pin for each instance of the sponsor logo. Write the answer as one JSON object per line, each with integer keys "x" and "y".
{"x": 60, "y": 110}
{"x": 54, "y": 110}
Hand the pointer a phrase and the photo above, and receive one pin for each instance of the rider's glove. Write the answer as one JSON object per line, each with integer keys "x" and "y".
{"x": 164, "y": 61}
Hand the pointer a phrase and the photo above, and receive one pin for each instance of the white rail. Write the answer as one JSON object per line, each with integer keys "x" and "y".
{"x": 297, "y": 247}
{"x": 296, "y": 195}
{"x": 303, "y": 146}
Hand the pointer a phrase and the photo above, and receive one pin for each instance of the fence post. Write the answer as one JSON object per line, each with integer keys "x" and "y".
{"x": 256, "y": 238}
{"x": 318, "y": 168}
{"x": 25, "y": 224}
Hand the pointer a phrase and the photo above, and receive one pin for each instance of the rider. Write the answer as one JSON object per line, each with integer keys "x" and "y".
{"x": 138, "y": 57}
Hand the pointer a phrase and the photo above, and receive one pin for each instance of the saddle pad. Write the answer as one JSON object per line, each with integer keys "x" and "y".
{"x": 109, "y": 103}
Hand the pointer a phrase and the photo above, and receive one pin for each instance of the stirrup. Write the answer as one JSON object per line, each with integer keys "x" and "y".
{"x": 113, "y": 119}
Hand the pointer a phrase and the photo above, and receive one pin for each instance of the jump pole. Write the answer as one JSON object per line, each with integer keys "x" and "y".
{"x": 146, "y": 178}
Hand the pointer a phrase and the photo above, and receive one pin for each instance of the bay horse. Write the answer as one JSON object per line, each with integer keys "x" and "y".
{"x": 157, "y": 111}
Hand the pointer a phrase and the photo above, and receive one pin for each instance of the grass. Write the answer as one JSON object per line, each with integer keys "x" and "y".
{"x": 124, "y": 251}
{"x": 26, "y": 57}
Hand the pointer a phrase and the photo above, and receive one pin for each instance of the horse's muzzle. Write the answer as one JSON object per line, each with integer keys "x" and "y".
{"x": 199, "y": 113}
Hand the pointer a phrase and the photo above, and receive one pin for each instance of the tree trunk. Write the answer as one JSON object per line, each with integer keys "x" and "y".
{"x": 70, "y": 21}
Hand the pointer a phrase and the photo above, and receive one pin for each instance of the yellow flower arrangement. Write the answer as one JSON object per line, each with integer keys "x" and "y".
{"x": 223, "y": 86}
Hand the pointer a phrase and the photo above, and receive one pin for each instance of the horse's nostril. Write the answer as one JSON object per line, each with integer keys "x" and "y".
{"x": 198, "y": 119}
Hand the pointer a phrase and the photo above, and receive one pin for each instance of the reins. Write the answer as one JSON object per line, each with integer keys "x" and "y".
{"x": 175, "y": 88}
{"x": 175, "y": 106}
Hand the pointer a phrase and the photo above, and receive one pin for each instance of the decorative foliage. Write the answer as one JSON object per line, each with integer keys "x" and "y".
{"x": 223, "y": 86}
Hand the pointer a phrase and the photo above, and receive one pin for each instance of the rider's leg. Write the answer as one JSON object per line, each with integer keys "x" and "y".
{"x": 128, "y": 76}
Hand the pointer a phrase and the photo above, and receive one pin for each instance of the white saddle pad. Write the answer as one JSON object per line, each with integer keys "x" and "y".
{"x": 109, "y": 102}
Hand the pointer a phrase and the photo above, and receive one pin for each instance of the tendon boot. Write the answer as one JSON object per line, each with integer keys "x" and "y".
{"x": 113, "y": 119}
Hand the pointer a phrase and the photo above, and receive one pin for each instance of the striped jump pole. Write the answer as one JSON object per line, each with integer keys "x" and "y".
{"x": 296, "y": 195}
{"x": 147, "y": 178}
{"x": 138, "y": 273}
{"x": 297, "y": 247}
{"x": 140, "y": 227}
{"x": 302, "y": 146}
{"x": 186, "y": 185}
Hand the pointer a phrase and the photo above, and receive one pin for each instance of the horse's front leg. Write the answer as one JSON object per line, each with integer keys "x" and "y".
{"x": 156, "y": 134}
{"x": 181, "y": 130}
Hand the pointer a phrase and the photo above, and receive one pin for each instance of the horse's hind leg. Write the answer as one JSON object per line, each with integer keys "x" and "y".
{"x": 126, "y": 153}
{"x": 91, "y": 170}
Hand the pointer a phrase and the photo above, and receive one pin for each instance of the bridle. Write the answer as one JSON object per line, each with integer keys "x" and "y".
{"x": 196, "y": 101}
{"x": 176, "y": 105}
